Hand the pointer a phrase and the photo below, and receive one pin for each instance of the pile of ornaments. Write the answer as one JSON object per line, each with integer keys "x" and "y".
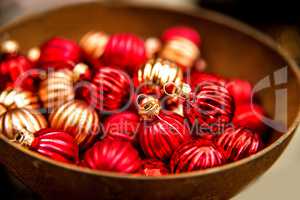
{"x": 124, "y": 104}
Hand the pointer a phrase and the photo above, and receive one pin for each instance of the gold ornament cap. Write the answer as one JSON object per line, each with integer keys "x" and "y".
{"x": 24, "y": 137}
{"x": 158, "y": 72}
{"x": 148, "y": 106}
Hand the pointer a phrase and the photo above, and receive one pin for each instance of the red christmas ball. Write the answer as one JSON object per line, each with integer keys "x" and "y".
{"x": 209, "y": 109}
{"x": 197, "y": 79}
{"x": 196, "y": 155}
{"x": 15, "y": 67}
{"x": 250, "y": 116}
{"x": 239, "y": 143}
{"x": 109, "y": 90}
{"x": 182, "y": 31}
{"x": 240, "y": 90}
{"x": 122, "y": 126}
{"x": 152, "y": 167}
{"x": 53, "y": 143}
{"x": 59, "y": 53}
{"x": 126, "y": 51}
{"x": 159, "y": 134}
{"x": 112, "y": 155}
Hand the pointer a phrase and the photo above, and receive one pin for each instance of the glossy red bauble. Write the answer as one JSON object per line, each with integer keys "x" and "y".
{"x": 15, "y": 67}
{"x": 109, "y": 90}
{"x": 160, "y": 134}
{"x": 196, "y": 155}
{"x": 181, "y": 31}
{"x": 209, "y": 109}
{"x": 239, "y": 143}
{"x": 250, "y": 116}
{"x": 113, "y": 155}
{"x": 197, "y": 79}
{"x": 59, "y": 53}
{"x": 240, "y": 90}
{"x": 53, "y": 143}
{"x": 126, "y": 51}
{"x": 152, "y": 167}
{"x": 122, "y": 126}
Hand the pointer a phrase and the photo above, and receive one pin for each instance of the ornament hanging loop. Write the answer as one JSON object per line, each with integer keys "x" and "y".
{"x": 148, "y": 106}
{"x": 175, "y": 90}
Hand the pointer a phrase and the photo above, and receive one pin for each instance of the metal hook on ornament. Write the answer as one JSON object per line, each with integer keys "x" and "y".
{"x": 147, "y": 105}
{"x": 23, "y": 137}
{"x": 175, "y": 90}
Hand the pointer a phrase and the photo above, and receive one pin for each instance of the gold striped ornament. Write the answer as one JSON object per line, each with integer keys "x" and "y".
{"x": 79, "y": 119}
{"x": 17, "y": 98}
{"x": 17, "y": 119}
{"x": 9, "y": 47}
{"x": 158, "y": 72}
{"x": 181, "y": 51}
{"x": 58, "y": 87}
{"x": 155, "y": 74}
{"x": 93, "y": 44}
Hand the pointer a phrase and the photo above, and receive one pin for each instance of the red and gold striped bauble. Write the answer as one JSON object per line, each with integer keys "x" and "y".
{"x": 52, "y": 143}
{"x": 14, "y": 120}
{"x": 77, "y": 118}
{"x": 57, "y": 89}
{"x": 18, "y": 98}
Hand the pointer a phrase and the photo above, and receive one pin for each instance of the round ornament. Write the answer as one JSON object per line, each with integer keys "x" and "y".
{"x": 122, "y": 126}
{"x": 93, "y": 45}
{"x": 17, "y": 98}
{"x": 181, "y": 46}
{"x": 9, "y": 47}
{"x": 196, "y": 155}
{"x": 55, "y": 144}
{"x": 58, "y": 87}
{"x": 109, "y": 90}
{"x": 59, "y": 53}
{"x": 17, "y": 119}
{"x": 19, "y": 70}
{"x": 160, "y": 134}
{"x": 239, "y": 143}
{"x": 250, "y": 116}
{"x": 113, "y": 155}
{"x": 79, "y": 119}
{"x": 155, "y": 74}
{"x": 209, "y": 109}
{"x": 240, "y": 90}
{"x": 202, "y": 78}
{"x": 126, "y": 51}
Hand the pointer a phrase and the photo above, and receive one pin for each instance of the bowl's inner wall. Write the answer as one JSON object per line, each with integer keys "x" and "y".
{"x": 227, "y": 51}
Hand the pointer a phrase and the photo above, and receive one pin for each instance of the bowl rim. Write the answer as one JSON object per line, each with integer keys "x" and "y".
{"x": 203, "y": 13}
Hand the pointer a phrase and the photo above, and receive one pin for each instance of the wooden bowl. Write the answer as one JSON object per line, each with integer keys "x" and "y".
{"x": 230, "y": 48}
